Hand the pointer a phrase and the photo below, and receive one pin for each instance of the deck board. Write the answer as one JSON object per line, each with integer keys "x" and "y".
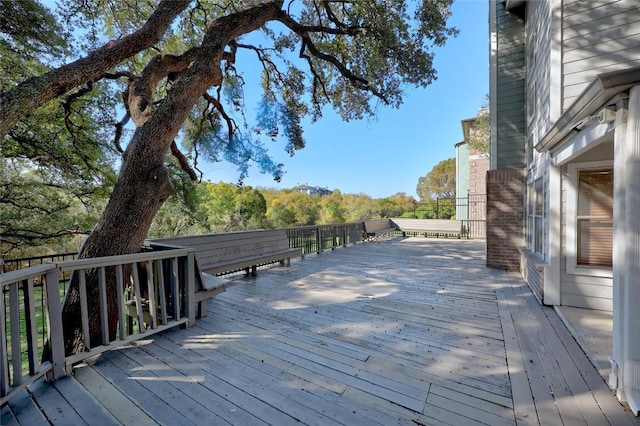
{"x": 402, "y": 331}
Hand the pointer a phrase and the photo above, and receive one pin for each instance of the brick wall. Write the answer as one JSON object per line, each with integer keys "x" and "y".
{"x": 478, "y": 167}
{"x": 505, "y": 218}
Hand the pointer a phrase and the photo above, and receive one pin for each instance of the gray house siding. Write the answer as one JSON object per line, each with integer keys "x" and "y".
{"x": 538, "y": 65}
{"x": 598, "y": 36}
{"x": 510, "y": 126}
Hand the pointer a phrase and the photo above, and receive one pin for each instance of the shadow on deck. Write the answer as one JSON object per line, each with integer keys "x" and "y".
{"x": 400, "y": 331}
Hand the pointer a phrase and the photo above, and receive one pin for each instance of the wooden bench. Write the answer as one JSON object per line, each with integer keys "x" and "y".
{"x": 375, "y": 228}
{"x": 431, "y": 227}
{"x": 225, "y": 253}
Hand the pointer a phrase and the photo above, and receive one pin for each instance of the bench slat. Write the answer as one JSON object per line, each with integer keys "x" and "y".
{"x": 249, "y": 261}
{"x": 430, "y": 226}
{"x": 373, "y": 228}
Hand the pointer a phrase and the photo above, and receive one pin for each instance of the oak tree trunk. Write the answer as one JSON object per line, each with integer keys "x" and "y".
{"x": 144, "y": 183}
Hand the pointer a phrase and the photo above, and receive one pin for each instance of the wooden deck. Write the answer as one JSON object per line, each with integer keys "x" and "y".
{"x": 407, "y": 331}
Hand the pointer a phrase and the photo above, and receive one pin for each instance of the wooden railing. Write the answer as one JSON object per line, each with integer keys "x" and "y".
{"x": 27, "y": 322}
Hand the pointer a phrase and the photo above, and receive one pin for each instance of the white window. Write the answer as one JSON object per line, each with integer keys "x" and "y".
{"x": 590, "y": 219}
{"x": 535, "y": 217}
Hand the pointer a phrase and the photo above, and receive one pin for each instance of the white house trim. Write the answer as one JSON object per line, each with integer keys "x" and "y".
{"x": 592, "y": 135}
{"x": 631, "y": 291}
{"x": 619, "y": 189}
{"x": 552, "y": 269}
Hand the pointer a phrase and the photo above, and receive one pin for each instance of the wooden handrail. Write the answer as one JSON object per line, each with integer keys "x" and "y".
{"x": 179, "y": 283}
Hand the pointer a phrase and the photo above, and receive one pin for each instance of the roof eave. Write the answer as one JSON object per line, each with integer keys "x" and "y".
{"x": 600, "y": 90}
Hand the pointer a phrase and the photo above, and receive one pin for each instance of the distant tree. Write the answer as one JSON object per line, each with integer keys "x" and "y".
{"x": 479, "y": 132}
{"x": 250, "y": 209}
{"x": 389, "y": 208}
{"x": 218, "y": 202}
{"x": 440, "y": 182}
{"x": 183, "y": 213}
{"x": 291, "y": 208}
{"x": 331, "y": 210}
{"x": 359, "y": 207}
{"x": 405, "y": 202}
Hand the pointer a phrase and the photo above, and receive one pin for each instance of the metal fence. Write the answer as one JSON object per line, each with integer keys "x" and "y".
{"x": 471, "y": 210}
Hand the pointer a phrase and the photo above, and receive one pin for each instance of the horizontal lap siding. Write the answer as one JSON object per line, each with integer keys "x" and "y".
{"x": 598, "y": 36}
{"x": 583, "y": 291}
{"x": 538, "y": 69}
{"x": 510, "y": 90}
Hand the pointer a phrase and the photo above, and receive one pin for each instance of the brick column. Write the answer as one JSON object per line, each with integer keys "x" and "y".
{"x": 505, "y": 218}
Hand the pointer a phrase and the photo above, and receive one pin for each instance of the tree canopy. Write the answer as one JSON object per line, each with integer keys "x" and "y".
{"x": 478, "y": 135}
{"x": 151, "y": 88}
{"x": 440, "y": 182}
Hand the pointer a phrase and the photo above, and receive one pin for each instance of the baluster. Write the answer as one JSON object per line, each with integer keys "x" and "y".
{"x": 14, "y": 309}
{"x": 84, "y": 311}
{"x": 104, "y": 315}
{"x": 4, "y": 362}
{"x": 30, "y": 320}
{"x": 151, "y": 295}
{"x": 122, "y": 330}
{"x": 137, "y": 297}
{"x": 161, "y": 292}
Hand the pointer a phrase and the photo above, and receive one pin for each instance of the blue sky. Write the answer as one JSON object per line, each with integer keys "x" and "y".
{"x": 389, "y": 153}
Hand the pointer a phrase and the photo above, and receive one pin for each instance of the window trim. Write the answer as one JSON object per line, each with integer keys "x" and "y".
{"x": 533, "y": 215}
{"x": 572, "y": 221}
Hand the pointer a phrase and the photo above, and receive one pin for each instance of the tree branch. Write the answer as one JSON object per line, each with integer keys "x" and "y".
{"x": 66, "y": 105}
{"x": 307, "y": 44}
{"x": 34, "y": 92}
{"x": 182, "y": 160}
{"x": 140, "y": 94}
{"x": 216, "y": 103}
{"x": 119, "y": 128}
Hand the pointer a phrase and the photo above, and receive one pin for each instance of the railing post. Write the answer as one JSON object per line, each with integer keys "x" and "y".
{"x": 344, "y": 235}
{"x": 4, "y": 361}
{"x": 319, "y": 240}
{"x": 54, "y": 326}
{"x": 191, "y": 289}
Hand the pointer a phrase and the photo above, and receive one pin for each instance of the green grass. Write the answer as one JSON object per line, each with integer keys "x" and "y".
{"x": 40, "y": 320}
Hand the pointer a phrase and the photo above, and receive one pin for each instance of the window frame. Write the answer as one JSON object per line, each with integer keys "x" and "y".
{"x": 573, "y": 267}
{"x": 536, "y": 214}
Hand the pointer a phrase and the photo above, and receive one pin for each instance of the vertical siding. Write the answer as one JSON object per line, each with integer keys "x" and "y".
{"x": 510, "y": 126}
{"x": 598, "y": 36}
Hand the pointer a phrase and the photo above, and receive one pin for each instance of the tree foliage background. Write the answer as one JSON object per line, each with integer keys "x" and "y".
{"x": 440, "y": 182}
